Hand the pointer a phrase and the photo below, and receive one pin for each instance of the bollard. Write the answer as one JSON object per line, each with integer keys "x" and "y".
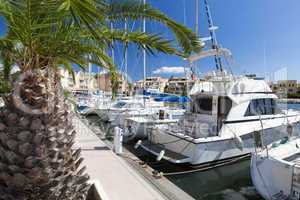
{"x": 118, "y": 139}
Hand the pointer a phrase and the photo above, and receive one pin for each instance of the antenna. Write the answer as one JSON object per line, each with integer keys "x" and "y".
{"x": 197, "y": 17}
{"x": 213, "y": 36}
{"x": 112, "y": 50}
{"x": 126, "y": 60}
{"x": 144, "y": 51}
{"x": 144, "y": 57}
{"x": 126, "y": 52}
{"x": 184, "y": 12}
{"x": 193, "y": 66}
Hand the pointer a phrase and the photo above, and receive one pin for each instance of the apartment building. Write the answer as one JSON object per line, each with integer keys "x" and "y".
{"x": 83, "y": 81}
{"x": 104, "y": 82}
{"x": 156, "y": 83}
{"x": 285, "y": 87}
{"x": 179, "y": 85}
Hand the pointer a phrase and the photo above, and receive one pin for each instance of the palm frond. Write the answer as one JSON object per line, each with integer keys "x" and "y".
{"x": 134, "y": 10}
{"x": 46, "y": 33}
{"x": 149, "y": 42}
{"x": 6, "y": 57}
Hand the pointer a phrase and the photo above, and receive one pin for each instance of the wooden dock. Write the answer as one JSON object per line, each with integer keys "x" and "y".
{"x": 118, "y": 178}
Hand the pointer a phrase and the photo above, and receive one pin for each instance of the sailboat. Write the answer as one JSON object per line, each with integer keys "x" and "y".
{"x": 224, "y": 112}
{"x": 127, "y": 106}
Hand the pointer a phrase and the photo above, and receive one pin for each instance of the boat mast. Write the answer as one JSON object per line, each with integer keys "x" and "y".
{"x": 112, "y": 50}
{"x": 89, "y": 77}
{"x": 126, "y": 58}
{"x": 197, "y": 17}
{"x": 213, "y": 36}
{"x": 144, "y": 50}
{"x": 193, "y": 67}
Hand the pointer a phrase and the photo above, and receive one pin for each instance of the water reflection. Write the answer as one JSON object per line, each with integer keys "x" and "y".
{"x": 227, "y": 182}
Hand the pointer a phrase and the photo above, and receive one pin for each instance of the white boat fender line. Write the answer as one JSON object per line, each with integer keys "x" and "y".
{"x": 237, "y": 139}
{"x": 155, "y": 172}
{"x": 239, "y": 142}
{"x": 290, "y": 130}
{"x": 138, "y": 144}
{"x": 161, "y": 155}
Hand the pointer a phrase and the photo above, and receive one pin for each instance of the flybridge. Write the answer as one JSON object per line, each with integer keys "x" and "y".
{"x": 221, "y": 83}
{"x": 208, "y": 53}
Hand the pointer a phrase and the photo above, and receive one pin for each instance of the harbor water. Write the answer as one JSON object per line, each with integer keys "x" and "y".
{"x": 230, "y": 182}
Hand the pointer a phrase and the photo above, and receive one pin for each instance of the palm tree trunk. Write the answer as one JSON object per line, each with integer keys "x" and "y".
{"x": 37, "y": 160}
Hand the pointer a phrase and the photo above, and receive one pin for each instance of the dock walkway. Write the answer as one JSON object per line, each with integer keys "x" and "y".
{"x": 112, "y": 176}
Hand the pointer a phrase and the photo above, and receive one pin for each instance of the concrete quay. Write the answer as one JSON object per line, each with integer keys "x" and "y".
{"x": 113, "y": 177}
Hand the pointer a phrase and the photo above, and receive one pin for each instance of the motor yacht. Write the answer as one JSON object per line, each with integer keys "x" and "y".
{"x": 138, "y": 126}
{"x": 223, "y": 115}
{"x": 143, "y": 105}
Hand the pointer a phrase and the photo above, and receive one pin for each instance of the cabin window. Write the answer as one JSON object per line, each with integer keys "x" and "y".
{"x": 119, "y": 104}
{"x": 202, "y": 105}
{"x": 262, "y": 107}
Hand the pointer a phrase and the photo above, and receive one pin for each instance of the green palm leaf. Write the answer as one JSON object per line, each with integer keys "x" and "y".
{"x": 134, "y": 10}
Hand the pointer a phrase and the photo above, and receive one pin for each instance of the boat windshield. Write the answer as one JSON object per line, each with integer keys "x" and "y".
{"x": 202, "y": 105}
{"x": 264, "y": 106}
{"x": 119, "y": 104}
{"x": 134, "y": 105}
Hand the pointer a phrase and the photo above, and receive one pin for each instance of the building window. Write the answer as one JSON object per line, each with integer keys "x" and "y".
{"x": 262, "y": 107}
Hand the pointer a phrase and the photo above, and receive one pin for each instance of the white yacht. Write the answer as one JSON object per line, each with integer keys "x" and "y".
{"x": 138, "y": 127}
{"x": 223, "y": 114}
{"x": 275, "y": 171}
{"x": 142, "y": 105}
{"x": 220, "y": 122}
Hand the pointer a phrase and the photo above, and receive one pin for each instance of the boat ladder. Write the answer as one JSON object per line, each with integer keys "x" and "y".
{"x": 295, "y": 189}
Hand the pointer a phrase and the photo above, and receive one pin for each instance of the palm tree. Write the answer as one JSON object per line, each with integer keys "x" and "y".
{"x": 37, "y": 160}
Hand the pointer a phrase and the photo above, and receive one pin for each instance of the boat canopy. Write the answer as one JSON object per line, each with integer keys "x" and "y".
{"x": 239, "y": 89}
{"x": 208, "y": 53}
{"x": 173, "y": 99}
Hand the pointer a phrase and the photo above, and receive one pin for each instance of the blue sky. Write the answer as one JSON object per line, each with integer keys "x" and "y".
{"x": 263, "y": 35}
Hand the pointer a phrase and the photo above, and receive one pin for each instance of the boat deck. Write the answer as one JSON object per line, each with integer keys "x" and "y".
{"x": 295, "y": 158}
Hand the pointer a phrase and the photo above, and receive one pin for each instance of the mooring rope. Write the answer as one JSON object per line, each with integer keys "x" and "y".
{"x": 205, "y": 168}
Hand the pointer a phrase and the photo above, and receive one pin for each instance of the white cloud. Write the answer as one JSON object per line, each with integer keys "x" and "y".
{"x": 169, "y": 70}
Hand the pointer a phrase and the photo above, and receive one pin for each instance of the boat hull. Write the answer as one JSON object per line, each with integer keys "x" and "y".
{"x": 211, "y": 151}
{"x": 270, "y": 177}
{"x": 275, "y": 172}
